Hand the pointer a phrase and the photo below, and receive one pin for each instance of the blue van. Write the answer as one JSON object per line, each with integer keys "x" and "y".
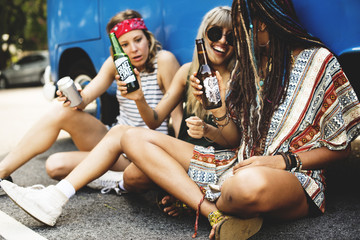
{"x": 78, "y": 42}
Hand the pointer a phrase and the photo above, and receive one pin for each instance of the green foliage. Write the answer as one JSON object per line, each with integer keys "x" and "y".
{"x": 25, "y": 22}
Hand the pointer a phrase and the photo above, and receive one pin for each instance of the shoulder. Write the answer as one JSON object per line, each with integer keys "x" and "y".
{"x": 165, "y": 56}
{"x": 322, "y": 52}
{"x": 182, "y": 74}
{"x": 185, "y": 68}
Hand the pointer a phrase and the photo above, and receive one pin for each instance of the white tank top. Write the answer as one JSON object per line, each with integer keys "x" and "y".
{"x": 128, "y": 112}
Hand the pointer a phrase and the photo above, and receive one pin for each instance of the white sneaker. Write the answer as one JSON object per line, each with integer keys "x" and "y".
{"x": 107, "y": 182}
{"x": 1, "y": 190}
{"x": 45, "y": 205}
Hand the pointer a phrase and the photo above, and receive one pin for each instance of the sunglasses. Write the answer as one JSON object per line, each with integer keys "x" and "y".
{"x": 215, "y": 33}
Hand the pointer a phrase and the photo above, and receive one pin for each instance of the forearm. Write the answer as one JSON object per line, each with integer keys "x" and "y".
{"x": 321, "y": 157}
{"x": 100, "y": 83}
{"x": 151, "y": 117}
{"x": 214, "y": 134}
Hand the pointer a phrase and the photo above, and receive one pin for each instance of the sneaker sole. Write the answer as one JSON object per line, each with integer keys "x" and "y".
{"x": 236, "y": 228}
{"x": 24, "y": 206}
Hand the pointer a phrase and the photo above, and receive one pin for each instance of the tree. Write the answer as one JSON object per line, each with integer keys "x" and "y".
{"x": 24, "y": 21}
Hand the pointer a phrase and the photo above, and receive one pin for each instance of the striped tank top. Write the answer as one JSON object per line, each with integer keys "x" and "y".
{"x": 128, "y": 112}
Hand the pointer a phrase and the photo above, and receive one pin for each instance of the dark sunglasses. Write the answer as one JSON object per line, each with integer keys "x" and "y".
{"x": 215, "y": 33}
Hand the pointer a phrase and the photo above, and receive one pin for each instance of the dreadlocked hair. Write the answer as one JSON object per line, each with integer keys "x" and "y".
{"x": 254, "y": 105}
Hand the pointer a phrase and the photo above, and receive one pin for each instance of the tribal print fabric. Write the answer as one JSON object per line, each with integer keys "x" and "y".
{"x": 320, "y": 109}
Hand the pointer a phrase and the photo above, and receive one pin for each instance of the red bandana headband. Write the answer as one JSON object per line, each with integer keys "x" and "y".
{"x": 128, "y": 25}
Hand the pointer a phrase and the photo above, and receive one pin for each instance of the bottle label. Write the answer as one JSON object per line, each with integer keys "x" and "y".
{"x": 212, "y": 90}
{"x": 124, "y": 70}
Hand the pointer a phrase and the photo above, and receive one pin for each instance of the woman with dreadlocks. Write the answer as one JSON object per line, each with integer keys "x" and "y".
{"x": 290, "y": 112}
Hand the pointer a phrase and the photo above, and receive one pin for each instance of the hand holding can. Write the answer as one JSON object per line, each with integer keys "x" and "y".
{"x": 67, "y": 86}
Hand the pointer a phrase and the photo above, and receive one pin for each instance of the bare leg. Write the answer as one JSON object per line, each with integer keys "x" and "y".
{"x": 121, "y": 164}
{"x": 59, "y": 165}
{"x": 261, "y": 190}
{"x": 165, "y": 160}
{"x": 84, "y": 129}
{"x": 136, "y": 181}
{"x": 99, "y": 160}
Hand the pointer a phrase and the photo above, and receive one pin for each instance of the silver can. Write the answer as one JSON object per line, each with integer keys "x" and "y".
{"x": 67, "y": 86}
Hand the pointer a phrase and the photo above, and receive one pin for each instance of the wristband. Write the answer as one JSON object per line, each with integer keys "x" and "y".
{"x": 286, "y": 160}
{"x": 221, "y": 118}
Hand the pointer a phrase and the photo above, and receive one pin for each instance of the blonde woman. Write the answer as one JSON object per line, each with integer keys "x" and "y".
{"x": 107, "y": 152}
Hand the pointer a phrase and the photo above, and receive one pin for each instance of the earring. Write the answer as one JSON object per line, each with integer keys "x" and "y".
{"x": 264, "y": 45}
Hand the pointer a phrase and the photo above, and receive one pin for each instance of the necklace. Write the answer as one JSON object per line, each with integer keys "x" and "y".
{"x": 261, "y": 82}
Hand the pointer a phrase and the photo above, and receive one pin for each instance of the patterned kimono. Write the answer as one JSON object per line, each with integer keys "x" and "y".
{"x": 320, "y": 109}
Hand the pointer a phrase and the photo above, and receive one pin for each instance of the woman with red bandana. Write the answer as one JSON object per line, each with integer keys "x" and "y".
{"x": 155, "y": 69}
{"x": 216, "y": 31}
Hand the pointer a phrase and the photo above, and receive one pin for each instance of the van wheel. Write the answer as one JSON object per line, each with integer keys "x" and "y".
{"x": 82, "y": 80}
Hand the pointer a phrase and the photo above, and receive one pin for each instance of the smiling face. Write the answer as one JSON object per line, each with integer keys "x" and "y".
{"x": 136, "y": 46}
{"x": 219, "y": 52}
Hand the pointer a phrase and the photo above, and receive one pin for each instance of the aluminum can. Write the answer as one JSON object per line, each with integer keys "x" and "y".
{"x": 67, "y": 86}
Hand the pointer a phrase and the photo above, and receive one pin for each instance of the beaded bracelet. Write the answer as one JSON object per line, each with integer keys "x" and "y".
{"x": 227, "y": 118}
{"x": 298, "y": 163}
{"x": 221, "y": 118}
{"x": 215, "y": 217}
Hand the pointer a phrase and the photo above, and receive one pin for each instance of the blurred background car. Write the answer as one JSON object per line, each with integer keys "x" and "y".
{"x": 27, "y": 70}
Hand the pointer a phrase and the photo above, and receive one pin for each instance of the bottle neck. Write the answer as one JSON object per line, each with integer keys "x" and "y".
{"x": 201, "y": 50}
{"x": 117, "y": 50}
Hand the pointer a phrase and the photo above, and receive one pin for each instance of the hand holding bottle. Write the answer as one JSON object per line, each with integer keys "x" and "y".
{"x": 211, "y": 93}
{"x": 123, "y": 88}
{"x": 198, "y": 90}
{"x": 123, "y": 65}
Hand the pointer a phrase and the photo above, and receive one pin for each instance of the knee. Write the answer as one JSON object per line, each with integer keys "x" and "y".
{"x": 55, "y": 167}
{"x": 117, "y": 131}
{"x": 60, "y": 113}
{"x": 59, "y": 116}
{"x": 132, "y": 135}
{"x": 247, "y": 188}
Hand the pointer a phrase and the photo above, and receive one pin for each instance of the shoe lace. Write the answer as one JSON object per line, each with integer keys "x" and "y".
{"x": 108, "y": 186}
{"x": 36, "y": 187}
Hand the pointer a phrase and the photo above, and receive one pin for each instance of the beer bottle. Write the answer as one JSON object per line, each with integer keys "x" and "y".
{"x": 211, "y": 93}
{"x": 123, "y": 65}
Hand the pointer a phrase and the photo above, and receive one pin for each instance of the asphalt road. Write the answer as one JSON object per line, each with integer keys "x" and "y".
{"x": 91, "y": 215}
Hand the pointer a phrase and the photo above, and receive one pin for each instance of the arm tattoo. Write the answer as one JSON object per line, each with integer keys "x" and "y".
{"x": 156, "y": 117}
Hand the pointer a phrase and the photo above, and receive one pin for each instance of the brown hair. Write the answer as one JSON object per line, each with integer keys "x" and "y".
{"x": 154, "y": 45}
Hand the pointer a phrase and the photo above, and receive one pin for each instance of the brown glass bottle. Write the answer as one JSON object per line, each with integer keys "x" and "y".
{"x": 123, "y": 65}
{"x": 211, "y": 94}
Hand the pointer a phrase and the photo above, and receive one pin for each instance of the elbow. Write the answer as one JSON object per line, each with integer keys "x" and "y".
{"x": 153, "y": 126}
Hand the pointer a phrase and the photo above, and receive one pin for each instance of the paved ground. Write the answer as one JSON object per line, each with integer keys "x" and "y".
{"x": 91, "y": 215}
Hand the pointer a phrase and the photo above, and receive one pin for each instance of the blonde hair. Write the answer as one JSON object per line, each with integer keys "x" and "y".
{"x": 154, "y": 45}
{"x": 219, "y": 16}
